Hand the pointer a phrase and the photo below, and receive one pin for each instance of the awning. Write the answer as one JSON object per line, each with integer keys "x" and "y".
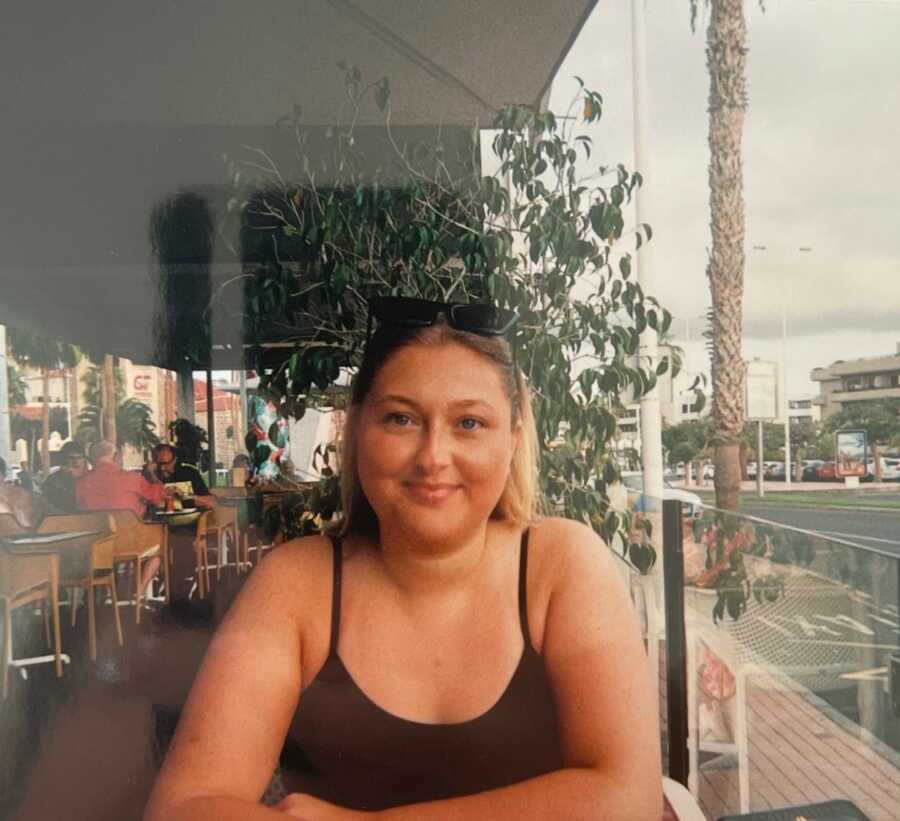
{"x": 111, "y": 109}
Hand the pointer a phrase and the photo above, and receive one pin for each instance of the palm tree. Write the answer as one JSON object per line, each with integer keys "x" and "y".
{"x": 133, "y": 419}
{"x": 46, "y": 355}
{"x": 726, "y": 61}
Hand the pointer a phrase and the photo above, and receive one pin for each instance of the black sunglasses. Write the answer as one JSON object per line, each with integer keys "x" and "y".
{"x": 410, "y": 312}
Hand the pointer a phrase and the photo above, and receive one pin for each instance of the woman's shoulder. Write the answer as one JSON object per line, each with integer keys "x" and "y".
{"x": 293, "y": 571}
{"x": 563, "y": 547}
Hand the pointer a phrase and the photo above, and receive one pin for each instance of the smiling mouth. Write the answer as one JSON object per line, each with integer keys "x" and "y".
{"x": 431, "y": 494}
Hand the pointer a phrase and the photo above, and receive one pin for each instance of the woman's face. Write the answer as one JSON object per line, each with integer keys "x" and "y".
{"x": 435, "y": 442}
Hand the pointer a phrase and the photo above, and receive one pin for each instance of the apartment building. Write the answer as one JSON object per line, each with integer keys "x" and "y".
{"x": 846, "y": 381}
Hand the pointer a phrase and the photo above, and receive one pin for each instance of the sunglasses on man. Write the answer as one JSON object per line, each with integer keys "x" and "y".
{"x": 410, "y": 312}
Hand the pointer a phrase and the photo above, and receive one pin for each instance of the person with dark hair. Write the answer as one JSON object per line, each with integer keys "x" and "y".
{"x": 183, "y": 480}
{"x": 59, "y": 487}
{"x": 446, "y": 653}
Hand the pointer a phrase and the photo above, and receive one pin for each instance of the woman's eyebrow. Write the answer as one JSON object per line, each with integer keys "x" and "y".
{"x": 459, "y": 404}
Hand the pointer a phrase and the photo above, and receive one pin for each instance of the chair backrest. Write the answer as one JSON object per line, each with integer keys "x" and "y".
{"x": 103, "y": 552}
{"x": 20, "y": 572}
{"x": 21, "y": 504}
{"x": 132, "y": 535}
{"x": 223, "y": 515}
{"x": 76, "y": 556}
{"x": 10, "y": 525}
{"x": 231, "y": 490}
{"x": 63, "y": 522}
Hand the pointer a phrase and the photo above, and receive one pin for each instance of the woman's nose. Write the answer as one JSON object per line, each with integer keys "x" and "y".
{"x": 434, "y": 450}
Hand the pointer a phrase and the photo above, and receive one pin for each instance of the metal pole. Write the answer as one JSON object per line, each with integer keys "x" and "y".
{"x": 6, "y": 443}
{"x": 676, "y": 642}
{"x": 651, "y": 424}
{"x": 760, "y": 491}
{"x": 784, "y": 403}
{"x": 211, "y": 428}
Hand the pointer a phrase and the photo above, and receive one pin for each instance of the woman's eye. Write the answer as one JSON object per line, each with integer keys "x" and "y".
{"x": 471, "y": 424}
{"x": 400, "y": 419}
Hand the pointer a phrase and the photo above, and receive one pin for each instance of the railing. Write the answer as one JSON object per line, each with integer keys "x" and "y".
{"x": 778, "y": 644}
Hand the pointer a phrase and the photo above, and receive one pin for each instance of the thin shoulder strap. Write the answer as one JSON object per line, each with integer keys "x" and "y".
{"x": 335, "y": 596}
{"x": 523, "y": 585}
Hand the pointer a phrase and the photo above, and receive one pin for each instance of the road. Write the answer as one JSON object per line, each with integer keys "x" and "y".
{"x": 865, "y": 527}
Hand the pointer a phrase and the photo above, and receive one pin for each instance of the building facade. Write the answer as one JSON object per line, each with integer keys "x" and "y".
{"x": 844, "y": 382}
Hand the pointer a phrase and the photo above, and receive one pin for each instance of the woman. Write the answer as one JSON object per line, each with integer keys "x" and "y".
{"x": 449, "y": 655}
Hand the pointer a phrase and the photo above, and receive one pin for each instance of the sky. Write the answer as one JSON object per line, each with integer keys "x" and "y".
{"x": 820, "y": 170}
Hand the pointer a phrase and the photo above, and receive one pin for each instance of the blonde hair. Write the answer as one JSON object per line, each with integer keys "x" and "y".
{"x": 519, "y": 502}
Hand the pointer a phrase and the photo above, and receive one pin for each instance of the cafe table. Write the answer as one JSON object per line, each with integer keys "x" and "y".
{"x": 50, "y": 544}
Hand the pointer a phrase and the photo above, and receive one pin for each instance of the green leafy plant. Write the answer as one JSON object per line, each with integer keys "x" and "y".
{"x": 134, "y": 419}
{"x": 546, "y": 234}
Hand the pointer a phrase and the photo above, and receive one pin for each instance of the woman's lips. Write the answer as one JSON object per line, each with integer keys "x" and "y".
{"x": 431, "y": 493}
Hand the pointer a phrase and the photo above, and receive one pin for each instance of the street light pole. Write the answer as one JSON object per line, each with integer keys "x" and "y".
{"x": 650, "y": 420}
{"x": 786, "y": 405}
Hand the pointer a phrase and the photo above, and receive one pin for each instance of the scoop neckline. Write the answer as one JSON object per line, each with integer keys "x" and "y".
{"x": 425, "y": 724}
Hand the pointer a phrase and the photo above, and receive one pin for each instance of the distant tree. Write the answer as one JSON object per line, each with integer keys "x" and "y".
{"x": 45, "y": 355}
{"x": 134, "y": 423}
{"x": 805, "y": 435}
{"x": 686, "y": 441}
{"x": 16, "y": 386}
{"x": 879, "y": 418}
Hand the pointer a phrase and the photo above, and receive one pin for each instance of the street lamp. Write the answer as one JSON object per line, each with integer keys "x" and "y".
{"x": 803, "y": 249}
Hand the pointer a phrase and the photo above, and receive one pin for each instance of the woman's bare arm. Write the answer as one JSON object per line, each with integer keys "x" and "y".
{"x": 233, "y": 726}
{"x": 605, "y": 699}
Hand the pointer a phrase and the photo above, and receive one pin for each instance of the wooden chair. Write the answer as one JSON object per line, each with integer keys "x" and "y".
{"x": 87, "y": 564}
{"x": 137, "y": 541}
{"x": 27, "y": 577}
{"x": 213, "y": 527}
{"x": 237, "y": 516}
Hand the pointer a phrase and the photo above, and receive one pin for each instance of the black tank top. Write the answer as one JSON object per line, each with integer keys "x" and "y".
{"x": 345, "y": 749}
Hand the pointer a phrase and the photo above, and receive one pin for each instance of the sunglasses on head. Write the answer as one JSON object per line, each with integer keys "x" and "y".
{"x": 410, "y": 312}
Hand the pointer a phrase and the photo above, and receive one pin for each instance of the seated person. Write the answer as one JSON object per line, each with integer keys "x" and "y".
{"x": 446, "y": 653}
{"x": 184, "y": 480}
{"x": 59, "y": 487}
{"x": 109, "y": 487}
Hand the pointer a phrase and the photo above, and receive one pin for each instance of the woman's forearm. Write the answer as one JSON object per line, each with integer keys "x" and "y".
{"x": 210, "y": 808}
{"x": 573, "y": 793}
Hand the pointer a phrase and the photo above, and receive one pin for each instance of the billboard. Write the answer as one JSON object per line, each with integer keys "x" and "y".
{"x": 850, "y": 452}
{"x": 761, "y": 391}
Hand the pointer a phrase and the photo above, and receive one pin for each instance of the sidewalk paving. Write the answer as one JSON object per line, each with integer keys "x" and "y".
{"x": 749, "y": 486}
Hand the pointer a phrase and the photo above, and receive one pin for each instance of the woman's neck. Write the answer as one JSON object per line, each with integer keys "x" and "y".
{"x": 421, "y": 569}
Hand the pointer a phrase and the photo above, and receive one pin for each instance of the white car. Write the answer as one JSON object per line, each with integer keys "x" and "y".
{"x": 890, "y": 469}
{"x": 693, "y": 504}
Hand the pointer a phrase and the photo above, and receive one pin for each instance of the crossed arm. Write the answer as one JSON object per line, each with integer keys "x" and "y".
{"x": 230, "y": 737}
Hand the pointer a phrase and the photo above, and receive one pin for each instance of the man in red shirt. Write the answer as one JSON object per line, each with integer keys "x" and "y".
{"x": 109, "y": 487}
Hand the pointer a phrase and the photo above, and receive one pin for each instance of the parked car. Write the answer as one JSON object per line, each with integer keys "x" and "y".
{"x": 693, "y": 504}
{"x": 751, "y": 470}
{"x": 890, "y": 469}
{"x": 811, "y": 469}
{"x": 827, "y": 472}
{"x": 773, "y": 471}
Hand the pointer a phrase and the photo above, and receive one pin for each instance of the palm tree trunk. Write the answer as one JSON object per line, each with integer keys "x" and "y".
{"x": 109, "y": 400}
{"x": 726, "y": 59}
{"x": 45, "y": 422}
